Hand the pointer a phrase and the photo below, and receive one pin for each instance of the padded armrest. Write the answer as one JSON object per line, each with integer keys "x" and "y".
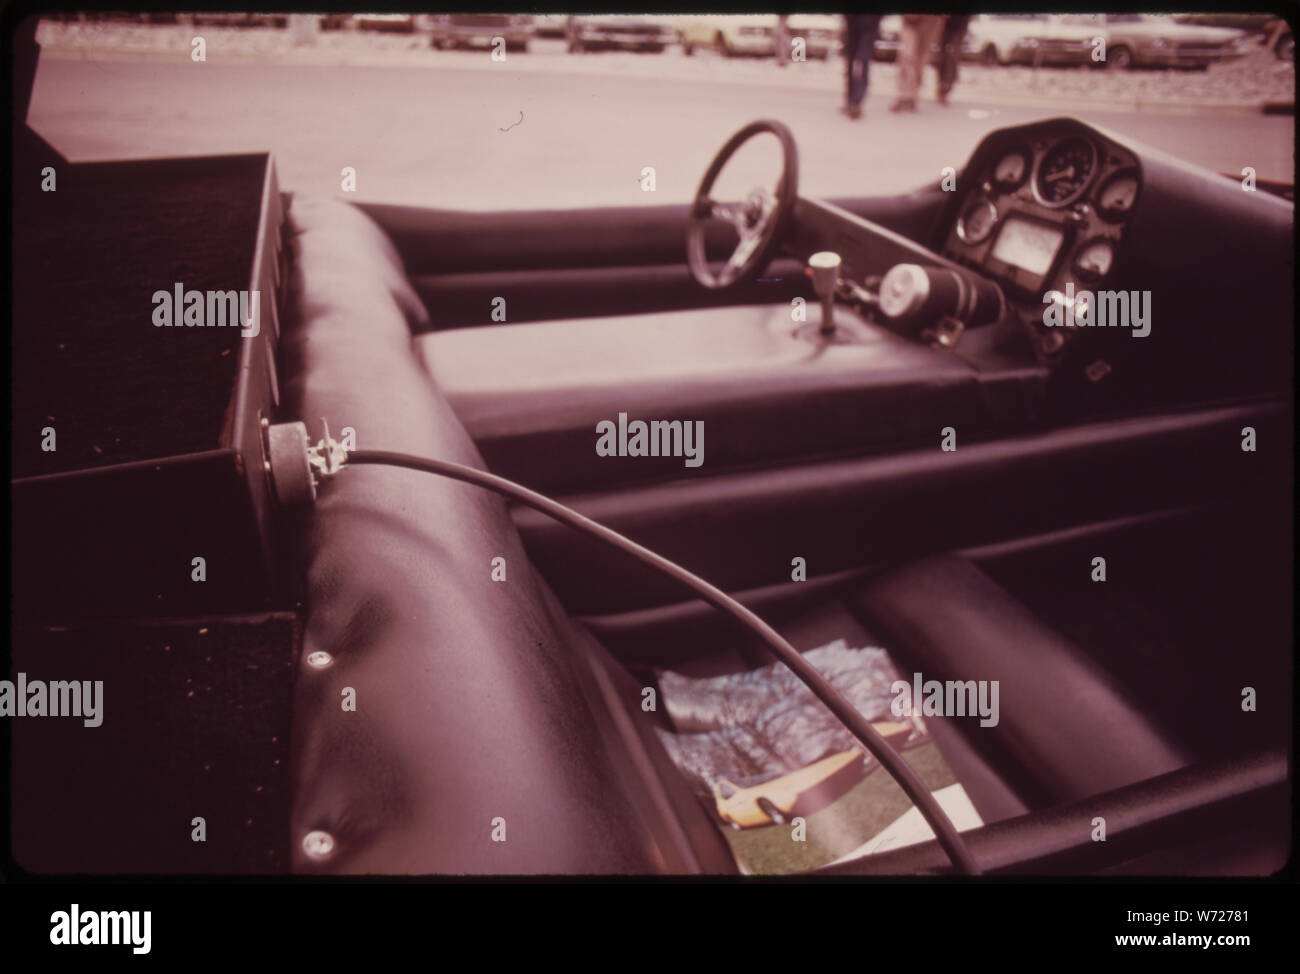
{"x": 1063, "y": 723}
{"x": 475, "y": 700}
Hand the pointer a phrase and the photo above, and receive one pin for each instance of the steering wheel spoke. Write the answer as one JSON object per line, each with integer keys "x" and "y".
{"x": 744, "y": 251}
{"x": 729, "y": 212}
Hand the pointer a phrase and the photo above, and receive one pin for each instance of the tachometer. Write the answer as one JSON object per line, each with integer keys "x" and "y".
{"x": 1065, "y": 171}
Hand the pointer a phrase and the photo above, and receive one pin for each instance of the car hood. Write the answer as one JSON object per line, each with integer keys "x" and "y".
{"x": 1177, "y": 32}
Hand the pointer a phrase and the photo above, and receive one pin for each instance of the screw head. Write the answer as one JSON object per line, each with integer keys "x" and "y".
{"x": 318, "y": 844}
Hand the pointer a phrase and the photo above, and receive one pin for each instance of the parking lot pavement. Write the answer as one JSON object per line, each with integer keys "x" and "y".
{"x": 467, "y": 138}
{"x": 1238, "y": 85}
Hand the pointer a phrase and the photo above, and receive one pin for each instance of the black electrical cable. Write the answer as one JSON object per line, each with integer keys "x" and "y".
{"x": 861, "y": 728}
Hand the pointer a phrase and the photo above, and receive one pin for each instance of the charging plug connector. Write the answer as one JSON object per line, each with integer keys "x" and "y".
{"x": 296, "y": 467}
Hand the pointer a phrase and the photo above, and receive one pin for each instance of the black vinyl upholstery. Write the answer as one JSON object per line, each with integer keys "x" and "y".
{"x": 1066, "y": 729}
{"x": 476, "y": 700}
{"x": 481, "y": 700}
{"x": 531, "y": 394}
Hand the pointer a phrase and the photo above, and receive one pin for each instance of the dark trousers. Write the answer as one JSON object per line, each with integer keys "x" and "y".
{"x": 859, "y": 46}
{"x": 954, "y": 31}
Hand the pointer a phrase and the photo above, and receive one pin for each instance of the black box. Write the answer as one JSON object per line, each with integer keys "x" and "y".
{"x": 158, "y": 457}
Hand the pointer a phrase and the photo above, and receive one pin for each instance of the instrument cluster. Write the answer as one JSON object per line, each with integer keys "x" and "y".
{"x": 1044, "y": 211}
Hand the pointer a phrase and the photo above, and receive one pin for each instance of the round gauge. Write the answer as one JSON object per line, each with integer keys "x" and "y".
{"x": 977, "y": 221}
{"x": 1064, "y": 171}
{"x": 1095, "y": 259}
{"x": 1118, "y": 195}
{"x": 1011, "y": 169}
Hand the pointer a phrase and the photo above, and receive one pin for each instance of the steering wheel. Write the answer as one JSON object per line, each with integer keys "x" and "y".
{"x": 760, "y": 219}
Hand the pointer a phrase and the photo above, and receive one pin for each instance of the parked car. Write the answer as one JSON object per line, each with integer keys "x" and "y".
{"x": 1132, "y": 40}
{"x": 223, "y": 19}
{"x": 1280, "y": 39}
{"x": 1066, "y": 40}
{"x": 1270, "y": 32}
{"x": 391, "y": 23}
{"x": 889, "y": 38}
{"x": 550, "y": 25}
{"x": 1016, "y": 39}
{"x": 470, "y": 30}
{"x": 652, "y": 34}
{"x": 998, "y": 38}
{"x": 755, "y": 35}
{"x": 821, "y": 33}
{"x": 1149, "y": 40}
{"x": 1257, "y": 27}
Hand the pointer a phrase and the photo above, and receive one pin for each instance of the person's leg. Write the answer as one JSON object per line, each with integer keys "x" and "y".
{"x": 868, "y": 34}
{"x": 931, "y": 30}
{"x": 928, "y": 31}
{"x": 851, "y": 67}
{"x": 949, "y": 51}
{"x": 954, "y": 34}
{"x": 909, "y": 65}
{"x": 861, "y": 66}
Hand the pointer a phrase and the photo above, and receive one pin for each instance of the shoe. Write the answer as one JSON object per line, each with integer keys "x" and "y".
{"x": 903, "y": 105}
{"x": 943, "y": 98}
{"x": 855, "y": 111}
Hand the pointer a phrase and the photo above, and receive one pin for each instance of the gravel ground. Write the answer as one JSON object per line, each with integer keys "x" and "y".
{"x": 1248, "y": 81}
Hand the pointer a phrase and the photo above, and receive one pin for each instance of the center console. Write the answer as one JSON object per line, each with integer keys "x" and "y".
{"x": 532, "y": 395}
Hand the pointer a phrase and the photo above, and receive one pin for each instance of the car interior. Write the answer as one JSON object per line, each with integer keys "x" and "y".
{"x": 883, "y": 401}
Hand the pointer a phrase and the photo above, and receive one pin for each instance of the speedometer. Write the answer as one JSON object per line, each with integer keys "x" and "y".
{"x": 1064, "y": 171}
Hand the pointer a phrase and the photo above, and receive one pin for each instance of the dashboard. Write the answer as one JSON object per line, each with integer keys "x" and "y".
{"x": 1043, "y": 209}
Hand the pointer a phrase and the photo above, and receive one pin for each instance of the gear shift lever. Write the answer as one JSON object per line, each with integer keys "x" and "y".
{"x": 825, "y": 266}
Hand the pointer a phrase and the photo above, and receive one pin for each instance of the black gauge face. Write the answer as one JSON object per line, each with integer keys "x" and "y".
{"x": 977, "y": 221}
{"x": 1011, "y": 169}
{"x": 1064, "y": 172}
{"x": 1118, "y": 195}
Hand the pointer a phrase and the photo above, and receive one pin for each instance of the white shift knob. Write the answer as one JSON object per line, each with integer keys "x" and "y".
{"x": 825, "y": 266}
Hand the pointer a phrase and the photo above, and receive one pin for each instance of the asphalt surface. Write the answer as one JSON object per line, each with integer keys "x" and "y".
{"x": 506, "y": 137}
